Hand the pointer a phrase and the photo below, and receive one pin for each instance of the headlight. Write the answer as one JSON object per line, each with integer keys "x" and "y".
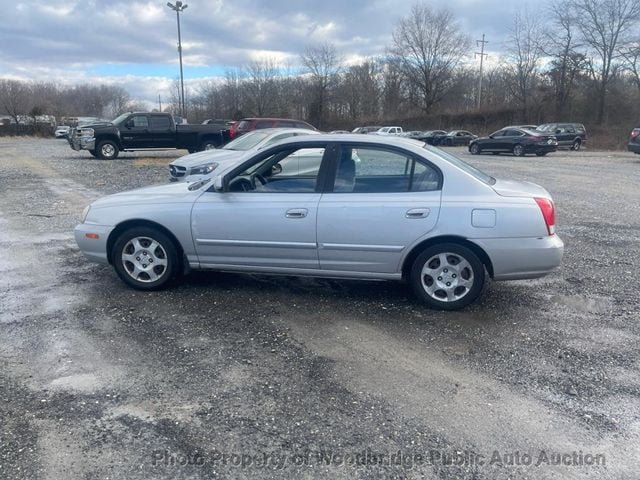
{"x": 203, "y": 169}
{"x": 86, "y": 132}
{"x": 85, "y": 212}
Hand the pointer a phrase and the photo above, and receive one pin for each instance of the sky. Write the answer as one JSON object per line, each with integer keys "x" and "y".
{"x": 134, "y": 43}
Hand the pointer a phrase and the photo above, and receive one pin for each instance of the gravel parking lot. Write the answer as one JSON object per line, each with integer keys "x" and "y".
{"x": 245, "y": 376}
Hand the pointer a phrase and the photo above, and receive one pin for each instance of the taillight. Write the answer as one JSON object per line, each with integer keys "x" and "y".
{"x": 548, "y": 213}
{"x": 232, "y": 132}
{"x": 635, "y": 133}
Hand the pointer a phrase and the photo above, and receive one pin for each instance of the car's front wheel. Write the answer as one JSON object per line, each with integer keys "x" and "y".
{"x": 474, "y": 149}
{"x": 108, "y": 150}
{"x": 576, "y": 145}
{"x": 145, "y": 258}
{"x": 447, "y": 276}
{"x": 208, "y": 145}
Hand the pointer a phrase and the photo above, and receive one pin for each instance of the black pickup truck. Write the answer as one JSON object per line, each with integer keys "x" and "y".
{"x": 144, "y": 131}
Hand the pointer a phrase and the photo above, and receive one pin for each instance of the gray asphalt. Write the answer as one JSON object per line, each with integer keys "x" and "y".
{"x": 248, "y": 376}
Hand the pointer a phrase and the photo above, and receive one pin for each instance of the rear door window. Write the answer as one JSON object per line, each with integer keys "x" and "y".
{"x": 160, "y": 122}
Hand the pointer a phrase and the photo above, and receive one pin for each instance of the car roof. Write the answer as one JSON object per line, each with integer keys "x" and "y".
{"x": 270, "y": 131}
{"x": 273, "y": 118}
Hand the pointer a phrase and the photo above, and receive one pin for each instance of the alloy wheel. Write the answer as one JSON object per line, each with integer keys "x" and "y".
{"x": 144, "y": 259}
{"x": 447, "y": 277}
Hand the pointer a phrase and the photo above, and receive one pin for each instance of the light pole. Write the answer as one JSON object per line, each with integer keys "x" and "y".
{"x": 179, "y": 7}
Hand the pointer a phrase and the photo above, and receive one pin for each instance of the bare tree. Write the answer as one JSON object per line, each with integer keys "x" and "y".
{"x": 429, "y": 46}
{"x": 323, "y": 64}
{"x": 631, "y": 56}
{"x": 15, "y": 98}
{"x": 605, "y": 26}
{"x": 261, "y": 86}
{"x": 523, "y": 58}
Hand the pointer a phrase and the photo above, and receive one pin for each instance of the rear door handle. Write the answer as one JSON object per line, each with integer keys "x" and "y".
{"x": 418, "y": 213}
{"x": 297, "y": 213}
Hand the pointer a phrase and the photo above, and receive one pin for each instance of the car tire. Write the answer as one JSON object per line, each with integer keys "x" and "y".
{"x": 134, "y": 252}
{"x": 107, "y": 150}
{"x": 443, "y": 264}
{"x": 475, "y": 149}
{"x": 576, "y": 145}
{"x": 541, "y": 154}
{"x": 518, "y": 150}
{"x": 208, "y": 145}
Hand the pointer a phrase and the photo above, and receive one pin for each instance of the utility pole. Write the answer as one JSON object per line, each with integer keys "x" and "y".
{"x": 159, "y": 103}
{"x": 180, "y": 7}
{"x": 481, "y": 44}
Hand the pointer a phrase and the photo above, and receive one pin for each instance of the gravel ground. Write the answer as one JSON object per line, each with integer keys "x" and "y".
{"x": 249, "y": 376}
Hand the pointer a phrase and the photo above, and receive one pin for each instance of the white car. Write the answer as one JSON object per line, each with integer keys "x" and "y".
{"x": 193, "y": 167}
{"x": 62, "y": 131}
{"x": 389, "y": 131}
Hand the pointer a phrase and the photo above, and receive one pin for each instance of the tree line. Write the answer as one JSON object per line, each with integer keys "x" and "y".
{"x": 574, "y": 60}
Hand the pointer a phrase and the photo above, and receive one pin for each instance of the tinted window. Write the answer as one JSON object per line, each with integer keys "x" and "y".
{"x": 140, "y": 121}
{"x": 377, "y": 170}
{"x": 263, "y": 124}
{"x": 160, "y": 122}
{"x": 285, "y": 124}
{"x": 306, "y": 126}
{"x": 244, "y": 125}
{"x": 513, "y": 133}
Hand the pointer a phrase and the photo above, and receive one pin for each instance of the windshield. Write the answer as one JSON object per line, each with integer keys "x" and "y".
{"x": 247, "y": 141}
{"x": 546, "y": 127}
{"x": 462, "y": 165}
{"x": 119, "y": 119}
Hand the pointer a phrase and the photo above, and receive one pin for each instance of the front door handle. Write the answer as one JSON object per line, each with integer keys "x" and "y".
{"x": 297, "y": 213}
{"x": 418, "y": 213}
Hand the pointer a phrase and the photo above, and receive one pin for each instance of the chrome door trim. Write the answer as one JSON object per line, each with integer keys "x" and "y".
{"x": 368, "y": 248}
{"x": 256, "y": 243}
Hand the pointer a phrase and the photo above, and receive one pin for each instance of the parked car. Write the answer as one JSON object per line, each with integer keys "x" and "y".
{"x": 335, "y": 132}
{"x": 572, "y": 135}
{"x": 388, "y": 131}
{"x": 412, "y": 134}
{"x": 62, "y": 131}
{"x": 432, "y": 137}
{"x": 456, "y": 137}
{"x": 249, "y": 124}
{"x": 634, "y": 141}
{"x": 365, "y": 130}
{"x": 191, "y": 167}
{"x": 251, "y": 217}
{"x": 218, "y": 121}
{"x": 515, "y": 140}
{"x": 144, "y": 131}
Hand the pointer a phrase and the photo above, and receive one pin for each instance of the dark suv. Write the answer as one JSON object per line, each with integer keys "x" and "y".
{"x": 572, "y": 135}
{"x": 249, "y": 124}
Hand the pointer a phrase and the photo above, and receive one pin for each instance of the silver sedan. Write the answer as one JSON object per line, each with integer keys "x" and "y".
{"x": 380, "y": 208}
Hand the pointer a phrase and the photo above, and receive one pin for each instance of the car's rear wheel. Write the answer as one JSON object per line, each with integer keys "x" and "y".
{"x": 474, "y": 149}
{"x": 108, "y": 150}
{"x": 576, "y": 145}
{"x": 447, "y": 276}
{"x": 518, "y": 150}
{"x": 145, "y": 258}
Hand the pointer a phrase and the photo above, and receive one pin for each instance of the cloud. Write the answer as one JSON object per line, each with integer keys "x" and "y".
{"x": 135, "y": 41}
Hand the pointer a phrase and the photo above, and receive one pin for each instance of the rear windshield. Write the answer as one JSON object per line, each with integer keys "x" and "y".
{"x": 243, "y": 124}
{"x": 247, "y": 141}
{"x": 462, "y": 165}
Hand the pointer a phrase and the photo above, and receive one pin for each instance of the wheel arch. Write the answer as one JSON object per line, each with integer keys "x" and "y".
{"x": 127, "y": 224}
{"x": 109, "y": 136}
{"x": 419, "y": 248}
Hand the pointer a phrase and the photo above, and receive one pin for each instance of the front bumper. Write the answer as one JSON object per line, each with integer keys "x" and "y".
{"x": 81, "y": 143}
{"x": 522, "y": 258}
{"x": 94, "y": 249}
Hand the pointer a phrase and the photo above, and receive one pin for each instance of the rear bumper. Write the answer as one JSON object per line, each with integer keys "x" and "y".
{"x": 634, "y": 147}
{"x": 93, "y": 249}
{"x": 521, "y": 258}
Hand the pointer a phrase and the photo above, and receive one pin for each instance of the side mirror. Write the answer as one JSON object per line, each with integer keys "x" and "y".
{"x": 129, "y": 124}
{"x": 490, "y": 136}
{"x": 276, "y": 169}
{"x": 218, "y": 183}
